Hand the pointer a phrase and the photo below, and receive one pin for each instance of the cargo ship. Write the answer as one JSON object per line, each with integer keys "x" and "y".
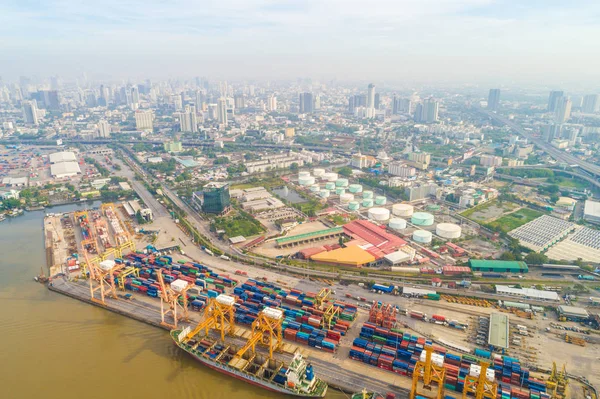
{"x": 296, "y": 378}
{"x": 367, "y": 395}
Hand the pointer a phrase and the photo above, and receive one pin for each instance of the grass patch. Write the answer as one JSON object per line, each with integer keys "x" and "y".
{"x": 238, "y": 225}
{"x": 266, "y": 183}
{"x": 488, "y": 210}
{"x": 513, "y": 220}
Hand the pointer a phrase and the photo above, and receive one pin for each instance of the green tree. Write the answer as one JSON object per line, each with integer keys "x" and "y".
{"x": 508, "y": 256}
{"x": 345, "y": 171}
{"x": 535, "y": 258}
{"x": 294, "y": 166}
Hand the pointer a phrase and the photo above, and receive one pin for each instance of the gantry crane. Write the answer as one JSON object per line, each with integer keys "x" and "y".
{"x": 170, "y": 294}
{"x": 126, "y": 272}
{"x": 321, "y": 298}
{"x": 429, "y": 371}
{"x": 101, "y": 277}
{"x": 266, "y": 331}
{"x": 329, "y": 309}
{"x": 481, "y": 387}
{"x": 218, "y": 315}
{"x": 558, "y": 382}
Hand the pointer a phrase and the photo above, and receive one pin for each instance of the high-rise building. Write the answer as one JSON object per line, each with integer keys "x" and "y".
{"x": 573, "y": 133}
{"x": 306, "y": 103}
{"x": 272, "y": 103}
{"x": 591, "y": 103}
{"x": 377, "y": 101}
{"x": 562, "y": 110}
{"x": 420, "y": 157}
{"x": 144, "y": 120}
{"x": 553, "y": 99}
{"x": 30, "y": 113}
{"x": 103, "y": 129}
{"x": 551, "y": 132}
{"x": 290, "y": 132}
{"x": 493, "y": 99}
{"x": 222, "y": 111}
{"x": 490, "y": 160}
{"x": 187, "y": 120}
{"x": 215, "y": 198}
{"x": 401, "y": 105}
{"x": 371, "y": 96}
{"x": 103, "y": 100}
{"x": 418, "y": 116}
{"x": 135, "y": 95}
{"x": 317, "y": 102}
{"x": 239, "y": 101}
{"x": 430, "y": 110}
{"x": 401, "y": 169}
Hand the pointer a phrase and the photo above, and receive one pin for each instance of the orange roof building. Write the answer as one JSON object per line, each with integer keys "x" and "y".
{"x": 349, "y": 256}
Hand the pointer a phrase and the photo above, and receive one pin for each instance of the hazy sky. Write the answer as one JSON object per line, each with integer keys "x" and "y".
{"x": 545, "y": 41}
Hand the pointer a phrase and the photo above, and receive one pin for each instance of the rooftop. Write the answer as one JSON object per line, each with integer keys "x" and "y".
{"x": 573, "y": 311}
{"x": 353, "y": 256}
{"x": 374, "y": 235}
{"x": 64, "y": 168}
{"x": 497, "y": 264}
{"x": 64, "y": 156}
{"x": 498, "y": 333}
{"x": 592, "y": 208}
{"x": 314, "y": 234}
{"x": 541, "y": 233}
{"x": 528, "y": 293}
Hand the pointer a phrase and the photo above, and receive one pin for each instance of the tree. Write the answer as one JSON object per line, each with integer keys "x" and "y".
{"x": 535, "y": 258}
{"x": 507, "y": 256}
{"x": 294, "y": 166}
{"x": 345, "y": 171}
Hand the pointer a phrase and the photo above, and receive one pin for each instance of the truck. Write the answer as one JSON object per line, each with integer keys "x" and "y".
{"x": 586, "y": 277}
{"x": 360, "y": 298}
{"x": 415, "y": 314}
{"x": 208, "y": 251}
{"x": 225, "y": 257}
{"x": 241, "y": 273}
{"x": 348, "y": 295}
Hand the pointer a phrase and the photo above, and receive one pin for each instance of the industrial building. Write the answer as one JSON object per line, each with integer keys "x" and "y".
{"x": 498, "y": 331}
{"x": 541, "y": 233}
{"x": 64, "y": 156}
{"x": 591, "y": 211}
{"x": 498, "y": 266}
{"x": 64, "y": 169}
{"x": 349, "y": 256}
{"x": 573, "y": 313}
{"x": 528, "y": 293}
{"x": 373, "y": 238}
{"x": 319, "y": 235}
{"x": 583, "y": 244}
{"x": 214, "y": 198}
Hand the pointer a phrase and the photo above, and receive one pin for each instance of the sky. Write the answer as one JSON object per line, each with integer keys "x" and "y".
{"x": 543, "y": 41}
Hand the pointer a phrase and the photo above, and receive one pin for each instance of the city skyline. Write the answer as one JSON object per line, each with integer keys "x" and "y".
{"x": 474, "y": 40}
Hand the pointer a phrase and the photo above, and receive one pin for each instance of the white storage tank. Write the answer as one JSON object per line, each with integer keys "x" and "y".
{"x": 306, "y": 181}
{"x": 379, "y": 214}
{"x": 302, "y": 174}
{"x": 367, "y": 202}
{"x": 330, "y": 186}
{"x": 397, "y": 224}
{"x": 355, "y": 188}
{"x": 318, "y": 172}
{"x": 324, "y": 193}
{"x": 341, "y": 182}
{"x": 340, "y": 190}
{"x": 422, "y": 236}
{"x": 346, "y": 198}
{"x": 330, "y": 176}
{"x": 353, "y": 205}
{"x": 422, "y": 219}
{"x": 448, "y": 230}
{"x": 380, "y": 200}
{"x": 404, "y": 210}
{"x": 315, "y": 188}
{"x": 367, "y": 194}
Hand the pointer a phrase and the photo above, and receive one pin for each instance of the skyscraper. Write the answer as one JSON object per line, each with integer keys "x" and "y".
{"x": 103, "y": 129}
{"x": 30, "y": 112}
{"x": 591, "y": 103}
{"x": 222, "y": 111}
{"x": 272, "y": 103}
{"x": 371, "y": 96}
{"x": 401, "y": 105}
{"x": 418, "y": 116}
{"x": 306, "y": 103}
{"x": 144, "y": 119}
{"x": 188, "y": 121}
{"x": 493, "y": 99}
{"x": 555, "y": 95}
{"x": 562, "y": 110}
{"x": 239, "y": 101}
{"x": 551, "y": 132}
{"x": 135, "y": 95}
{"x": 430, "y": 110}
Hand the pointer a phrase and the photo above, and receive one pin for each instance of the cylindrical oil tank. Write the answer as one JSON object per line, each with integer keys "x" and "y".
{"x": 379, "y": 214}
{"x": 367, "y": 202}
{"x": 340, "y": 190}
{"x": 330, "y": 176}
{"x": 303, "y": 173}
{"x": 397, "y": 224}
{"x": 355, "y": 188}
{"x": 404, "y": 210}
{"x": 422, "y": 219}
{"x": 306, "y": 181}
{"x": 341, "y": 182}
{"x": 318, "y": 172}
{"x": 422, "y": 236}
{"x": 448, "y": 230}
{"x": 346, "y": 198}
{"x": 367, "y": 194}
{"x": 380, "y": 200}
{"x": 315, "y": 188}
{"x": 324, "y": 193}
{"x": 330, "y": 185}
{"x": 353, "y": 205}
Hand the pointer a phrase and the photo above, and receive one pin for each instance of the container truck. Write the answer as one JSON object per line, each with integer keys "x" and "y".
{"x": 415, "y": 314}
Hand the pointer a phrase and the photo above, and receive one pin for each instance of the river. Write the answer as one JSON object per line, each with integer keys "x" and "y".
{"x": 56, "y": 347}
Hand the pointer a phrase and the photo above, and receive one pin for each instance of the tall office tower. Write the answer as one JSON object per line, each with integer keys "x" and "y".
{"x": 239, "y": 101}
{"x": 272, "y": 103}
{"x": 493, "y": 100}
{"x": 351, "y": 104}
{"x": 30, "y": 112}
{"x": 222, "y": 111}
{"x": 144, "y": 120}
{"x": 371, "y": 96}
{"x": 551, "y": 132}
{"x": 591, "y": 103}
{"x": 135, "y": 95}
{"x": 405, "y": 105}
{"x": 54, "y": 83}
{"x": 430, "y": 110}
{"x": 306, "y": 103}
{"x": 377, "y": 100}
{"x": 395, "y": 105}
{"x": 317, "y": 102}
{"x": 188, "y": 121}
{"x": 124, "y": 96}
{"x": 418, "y": 117}
{"x": 103, "y": 129}
{"x": 562, "y": 111}
{"x": 572, "y": 135}
{"x": 553, "y": 99}
{"x": 103, "y": 99}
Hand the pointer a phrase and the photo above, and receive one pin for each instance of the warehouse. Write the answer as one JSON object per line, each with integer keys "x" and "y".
{"x": 591, "y": 211}
{"x": 542, "y": 233}
{"x": 528, "y": 293}
{"x": 583, "y": 244}
{"x": 64, "y": 169}
{"x": 349, "y": 256}
{"x": 397, "y": 257}
{"x": 498, "y": 332}
{"x": 573, "y": 313}
{"x": 65, "y": 156}
{"x": 455, "y": 270}
{"x": 498, "y": 266}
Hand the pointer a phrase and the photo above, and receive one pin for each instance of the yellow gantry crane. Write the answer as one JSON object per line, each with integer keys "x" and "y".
{"x": 481, "y": 386}
{"x": 558, "y": 382}
{"x": 266, "y": 331}
{"x": 102, "y": 278}
{"x": 219, "y": 315}
{"x": 330, "y": 311}
{"x": 170, "y": 295}
{"x": 429, "y": 371}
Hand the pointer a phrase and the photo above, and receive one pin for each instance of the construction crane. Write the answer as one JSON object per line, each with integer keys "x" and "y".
{"x": 218, "y": 315}
{"x": 558, "y": 382}
{"x": 428, "y": 370}
{"x": 482, "y": 385}
{"x": 170, "y": 295}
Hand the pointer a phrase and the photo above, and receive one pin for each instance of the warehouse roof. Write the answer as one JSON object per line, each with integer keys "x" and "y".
{"x": 64, "y": 169}
{"x": 314, "y": 234}
{"x": 573, "y": 311}
{"x": 592, "y": 208}
{"x": 541, "y": 233}
{"x": 527, "y": 293}
{"x": 64, "y": 156}
{"x": 352, "y": 255}
{"x": 397, "y": 257}
{"x": 498, "y": 332}
{"x": 497, "y": 264}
